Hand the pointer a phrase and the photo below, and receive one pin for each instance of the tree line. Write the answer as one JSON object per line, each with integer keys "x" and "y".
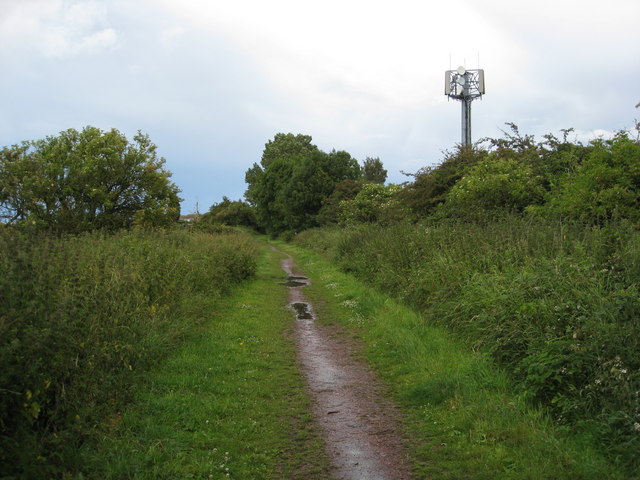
{"x": 296, "y": 186}
{"x": 95, "y": 180}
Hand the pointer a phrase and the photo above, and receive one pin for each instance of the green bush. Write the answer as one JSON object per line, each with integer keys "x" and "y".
{"x": 556, "y": 305}
{"x": 494, "y": 184}
{"x": 232, "y": 213}
{"x": 373, "y": 203}
{"x": 605, "y": 186}
{"x": 80, "y": 317}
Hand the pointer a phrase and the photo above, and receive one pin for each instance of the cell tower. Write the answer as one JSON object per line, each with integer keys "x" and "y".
{"x": 464, "y": 85}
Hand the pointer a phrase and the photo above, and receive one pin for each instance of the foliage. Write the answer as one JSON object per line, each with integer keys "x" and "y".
{"x": 465, "y": 419}
{"x": 229, "y": 403}
{"x": 373, "y": 171}
{"x": 552, "y": 177}
{"x": 294, "y": 179}
{"x": 431, "y": 184}
{"x": 82, "y": 316}
{"x": 373, "y": 203}
{"x": 494, "y": 184}
{"x": 605, "y": 185}
{"x": 557, "y": 305}
{"x": 88, "y": 180}
{"x": 233, "y": 213}
{"x": 330, "y": 211}
{"x": 287, "y": 145}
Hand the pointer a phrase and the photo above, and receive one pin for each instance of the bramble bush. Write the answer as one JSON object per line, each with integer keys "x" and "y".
{"x": 81, "y": 317}
{"x": 494, "y": 184}
{"x": 555, "y": 304}
{"x": 605, "y": 186}
{"x": 373, "y": 203}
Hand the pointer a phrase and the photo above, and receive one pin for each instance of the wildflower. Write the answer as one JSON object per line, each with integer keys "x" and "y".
{"x": 636, "y": 426}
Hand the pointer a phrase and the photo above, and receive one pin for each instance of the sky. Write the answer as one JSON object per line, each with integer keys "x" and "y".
{"x": 212, "y": 81}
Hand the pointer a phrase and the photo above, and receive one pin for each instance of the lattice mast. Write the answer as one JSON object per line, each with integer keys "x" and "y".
{"x": 464, "y": 85}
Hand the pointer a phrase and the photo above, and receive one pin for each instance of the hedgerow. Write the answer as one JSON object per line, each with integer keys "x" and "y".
{"x": 557, "y": 305}
{"x": 82, "y": 317}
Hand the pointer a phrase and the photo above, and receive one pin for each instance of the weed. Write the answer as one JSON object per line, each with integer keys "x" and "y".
{"x": 556, "y": 305}
{"x": 82, "y": 317}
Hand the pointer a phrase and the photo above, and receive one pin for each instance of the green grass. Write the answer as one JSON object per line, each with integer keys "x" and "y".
{"x": 82, "y": 317}
{"x": 463, "y": 419}
{"x": 229, "y": 404}
{"x": 554, "y": 304}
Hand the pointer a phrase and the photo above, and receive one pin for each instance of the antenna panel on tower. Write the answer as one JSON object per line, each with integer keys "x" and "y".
{"x": 447, "y": 82}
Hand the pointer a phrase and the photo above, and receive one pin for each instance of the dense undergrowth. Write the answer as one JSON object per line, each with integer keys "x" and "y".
{"x": 556, "y": 305}
{"x": 81, "y": 317}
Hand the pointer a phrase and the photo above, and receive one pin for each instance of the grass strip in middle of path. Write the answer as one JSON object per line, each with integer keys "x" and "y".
{"x": 229, "y": 404}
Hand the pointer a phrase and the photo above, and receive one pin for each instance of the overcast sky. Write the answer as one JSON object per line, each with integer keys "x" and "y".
{"x": 211, "y": 81}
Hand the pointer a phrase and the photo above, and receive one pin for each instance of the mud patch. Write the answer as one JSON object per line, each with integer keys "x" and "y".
{"x": 303, "y": 310}
{"x": 295, "y": 281}
{"x": 360, "y": 425}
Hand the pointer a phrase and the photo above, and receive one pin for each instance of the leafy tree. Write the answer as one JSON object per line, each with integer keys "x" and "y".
{"x": 373, "y": 171}
{"x": 81, "y": 181}
{"x": 232, "y": 213}
{"x": 284, "y": 146}
{"x": 287, "y": 145}
{"x": 288, "y": 191}
{"x": 266, "y": 195}
{"x": 344, "y": 190}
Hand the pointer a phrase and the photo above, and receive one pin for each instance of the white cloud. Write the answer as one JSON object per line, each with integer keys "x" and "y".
{"x": 212, "y": 81}
{"x": 57, "y": 29}
{"x": 172, "y": 33}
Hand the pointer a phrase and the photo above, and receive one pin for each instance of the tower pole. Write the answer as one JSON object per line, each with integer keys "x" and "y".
{"x": 466, "y": 121}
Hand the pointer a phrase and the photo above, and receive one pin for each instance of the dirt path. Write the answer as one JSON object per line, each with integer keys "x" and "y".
{"x": 360, "y": 425}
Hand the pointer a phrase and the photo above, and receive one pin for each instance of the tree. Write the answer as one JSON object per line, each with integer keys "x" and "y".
{"x": 233, "y": 213}
{"x": 81, "y": 181}
{"x": 287, "y": 145}
{"x": 373, "y": 171}
{"x": 293, "y": 180}
{"x": 284, "y": 146}
{"x": 330, "y": 211}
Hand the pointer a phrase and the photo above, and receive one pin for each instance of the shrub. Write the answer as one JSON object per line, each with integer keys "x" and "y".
{"x": 605, "y": 186}
{"x": 373, "y": 203}
{"x": 80, "y": 317}
{"x": 556, "y": 305}
{"x": 494, "y": 184}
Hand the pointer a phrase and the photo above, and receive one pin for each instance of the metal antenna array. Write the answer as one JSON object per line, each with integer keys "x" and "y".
{"x": 464, "y": 85}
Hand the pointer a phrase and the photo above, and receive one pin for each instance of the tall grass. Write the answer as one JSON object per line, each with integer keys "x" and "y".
{"x": 80, "y": 317}
{"x": 556, "y": 305}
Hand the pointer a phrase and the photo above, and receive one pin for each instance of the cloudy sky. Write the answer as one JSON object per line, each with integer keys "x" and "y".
{"x": 211, "y": 81}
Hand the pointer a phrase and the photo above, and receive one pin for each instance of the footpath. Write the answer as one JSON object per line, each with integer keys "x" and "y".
{"x": 274, "y": 383}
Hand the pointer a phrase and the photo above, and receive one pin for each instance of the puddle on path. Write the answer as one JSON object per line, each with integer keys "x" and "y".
{"x": 303, "y": 310}
{"x": 359, "y": 424}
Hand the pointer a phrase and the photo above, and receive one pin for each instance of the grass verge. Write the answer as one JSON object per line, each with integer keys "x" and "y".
{"x": 229, "y": 404}
{"x": 462, "y": 417}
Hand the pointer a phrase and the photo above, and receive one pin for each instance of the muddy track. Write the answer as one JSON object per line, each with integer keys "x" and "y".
{"x": 360, "y": 426}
